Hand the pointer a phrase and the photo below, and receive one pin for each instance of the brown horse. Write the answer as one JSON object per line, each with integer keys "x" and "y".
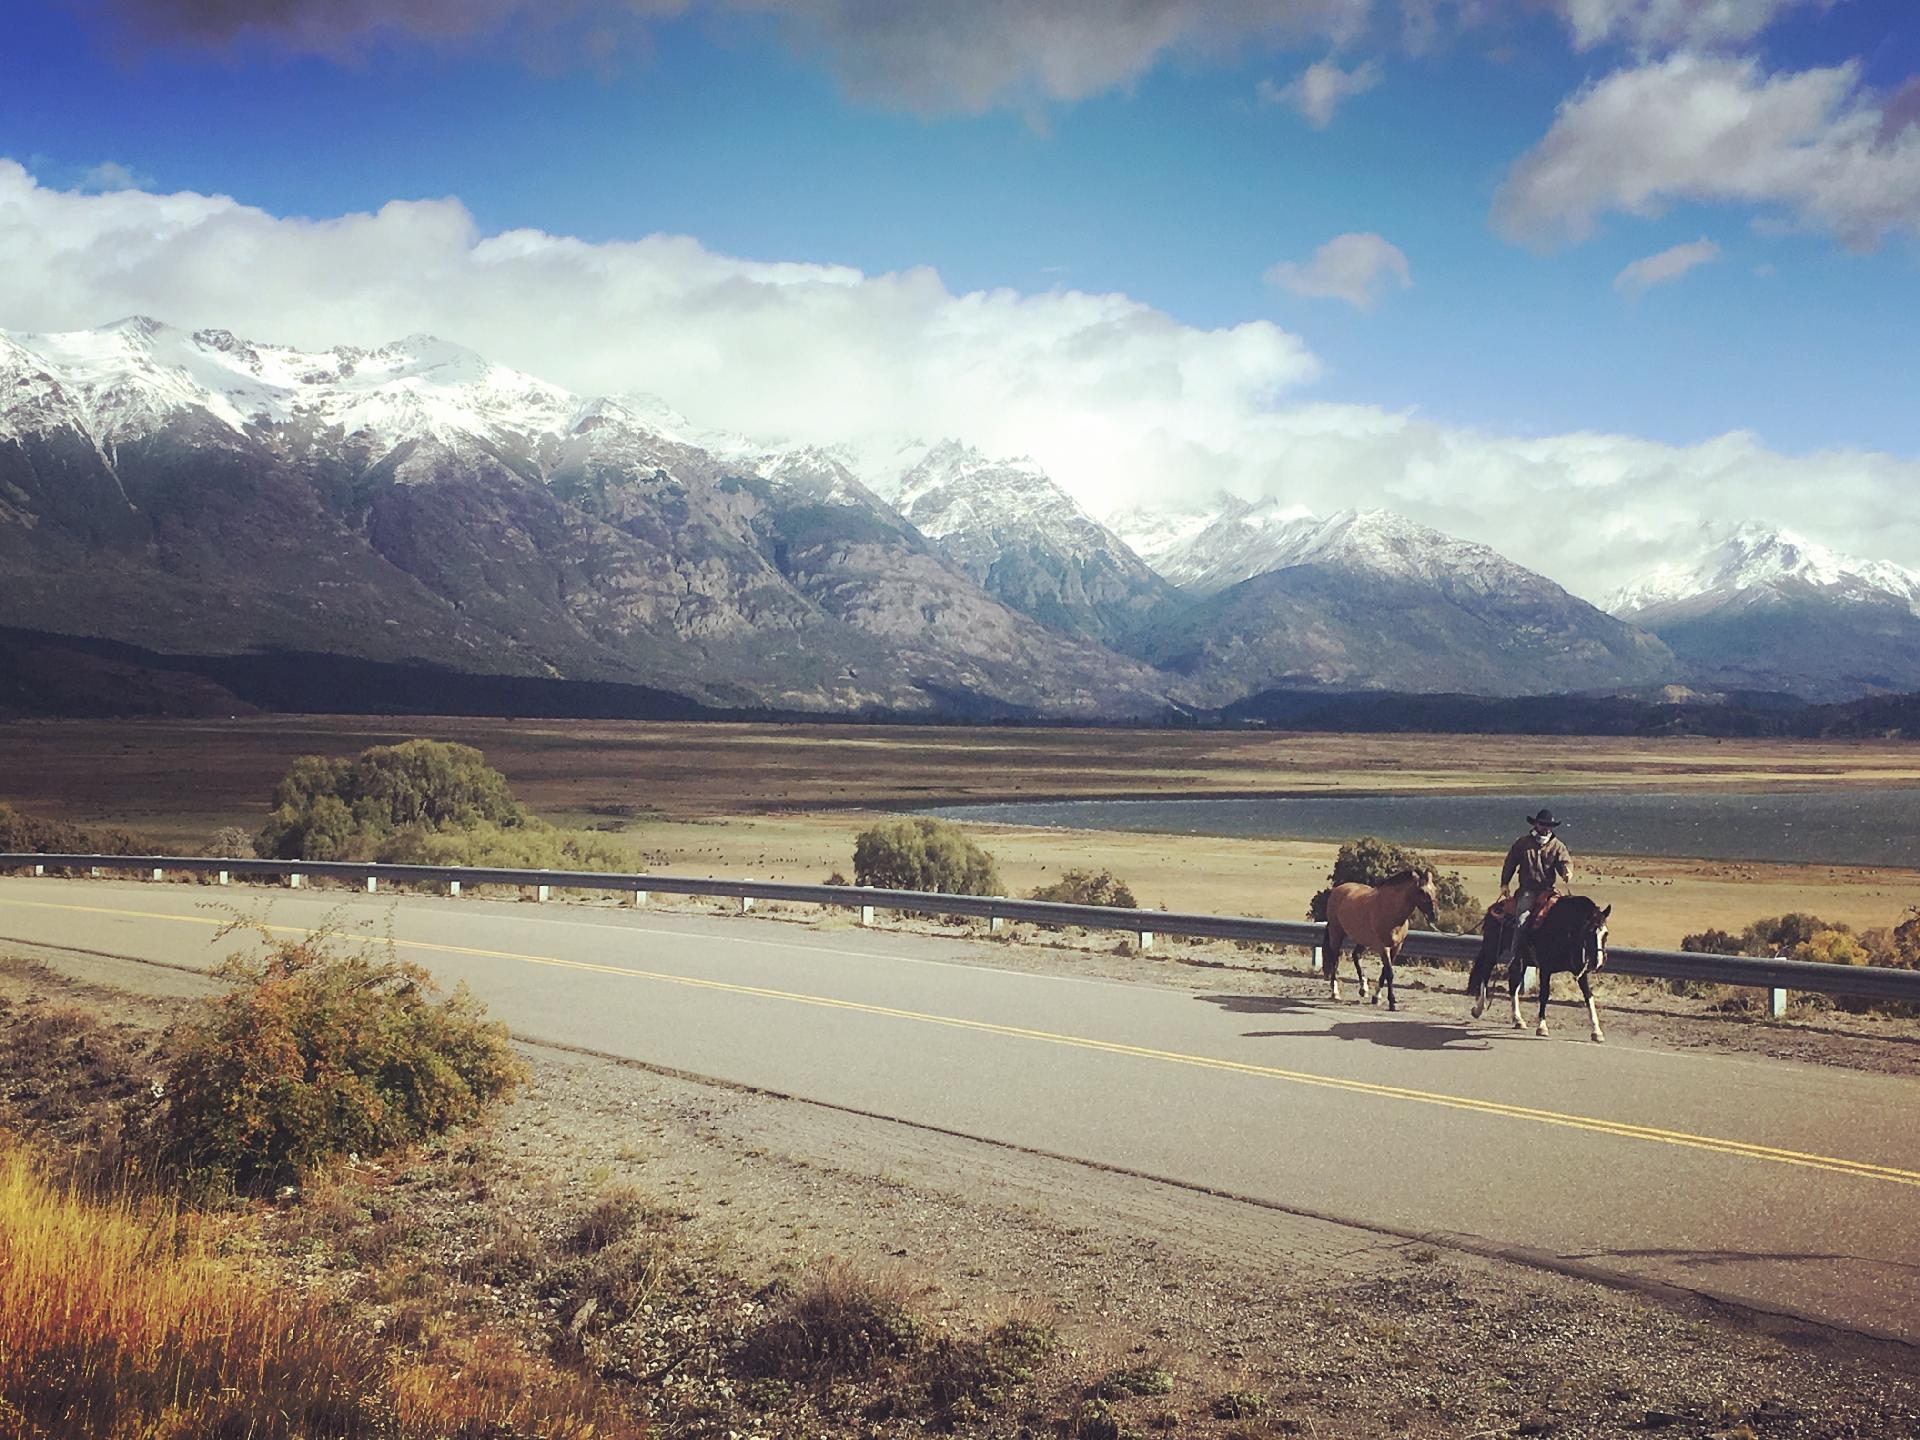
{"x": 1374, "y": 917}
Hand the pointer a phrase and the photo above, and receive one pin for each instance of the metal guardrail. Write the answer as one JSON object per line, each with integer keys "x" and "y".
{"x": 1777, "y": 976}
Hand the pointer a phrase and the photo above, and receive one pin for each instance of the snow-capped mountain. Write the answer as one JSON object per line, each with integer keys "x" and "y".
{"x": 416, "y": 502}
{"x": 1023, "y": 538}
{"x": 1370, "y": 599}
{"x": 1757, "y": 566}
{"x": 1763, "y": 608}
{"x": 1205, "y": 551}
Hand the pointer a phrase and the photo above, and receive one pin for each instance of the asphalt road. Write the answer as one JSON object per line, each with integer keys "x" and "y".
{"x": 1781, "y": 1186}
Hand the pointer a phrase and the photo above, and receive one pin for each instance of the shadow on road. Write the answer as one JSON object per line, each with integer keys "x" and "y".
{"x": 1400, "y": 1034}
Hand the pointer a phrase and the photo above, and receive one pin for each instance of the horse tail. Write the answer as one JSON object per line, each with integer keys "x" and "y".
{"x": 1331, "y": 943}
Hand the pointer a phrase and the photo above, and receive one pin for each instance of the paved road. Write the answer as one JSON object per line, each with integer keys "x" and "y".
{"x": 1783, "y": 1186}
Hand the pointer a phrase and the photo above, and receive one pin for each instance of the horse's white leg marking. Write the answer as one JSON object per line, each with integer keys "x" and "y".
{"x": 1513, "y": 993}
{"x": 1593, "y": 1014}
{"x": 1359, "y": 973}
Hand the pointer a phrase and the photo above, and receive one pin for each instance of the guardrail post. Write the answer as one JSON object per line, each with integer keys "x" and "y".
{"x": 1777, "y": 1004}
{"x": 994, "y": 924}
{"x": 373, "y": 884}
{"x": 453, "y": 888}
{"x": 1319, "y": 960}
{"x": 225, "y": 878}
{"x": 746, "y": 903}
{"x": 866, "y": 914}
{"x": 293, "y": 880}
{"x": 541, "y": 893}
{"x": 1530, "y": 982}
{"x": 93, "y": 872}
{"x": 639, "y": 899}
{"x": 158, "y": 873}
{"x": 1145, "y": 938}
{"x": 39, "y": 869}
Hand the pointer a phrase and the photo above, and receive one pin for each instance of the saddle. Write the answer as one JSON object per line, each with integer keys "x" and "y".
{"x": 1501, "y": 911}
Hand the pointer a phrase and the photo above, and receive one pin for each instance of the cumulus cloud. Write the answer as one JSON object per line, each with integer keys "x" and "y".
{"x": 1664, "y": 268}
{"x": 1121, "y": 402}
{"x": 1667, "y": 23}
{"x": 1810, "y": 143}
{"x": 1321, "y": 89}
{"x": 1353, "y": 268}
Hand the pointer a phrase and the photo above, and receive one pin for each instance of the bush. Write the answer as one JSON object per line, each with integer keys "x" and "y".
{"x": 1831, "y": 947}
{"x": 1083, "y": 887}
{"x": 338, "y": 809}
{"x": 1711, "y": 942}
{"x": 839, "y": 1322}
{"x": 921, "y": 853}
{"x": 231, "y": 842}
{"x": 531, "y": 845}
{"x": 28, "y": 835}
{"x": 320, "y": 1050}
{"x": 1370, "y": 860}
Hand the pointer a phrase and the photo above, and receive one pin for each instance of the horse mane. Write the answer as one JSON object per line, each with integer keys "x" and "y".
{"x": 1400, "y": 877}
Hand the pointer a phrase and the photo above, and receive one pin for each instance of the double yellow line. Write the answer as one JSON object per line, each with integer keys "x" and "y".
{"x": 1742, "y": 1149}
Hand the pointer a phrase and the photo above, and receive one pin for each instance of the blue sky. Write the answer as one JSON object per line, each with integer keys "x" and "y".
{"x": 1164, "y": 177}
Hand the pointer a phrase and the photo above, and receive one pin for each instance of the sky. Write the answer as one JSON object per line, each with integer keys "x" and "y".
{"x": 1578, "y": 278}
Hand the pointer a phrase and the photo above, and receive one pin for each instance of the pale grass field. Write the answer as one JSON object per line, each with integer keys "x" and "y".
{"x": 784, "y": 801}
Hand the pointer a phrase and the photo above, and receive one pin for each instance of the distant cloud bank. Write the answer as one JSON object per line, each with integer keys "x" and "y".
{"x": 1120, "y": 401}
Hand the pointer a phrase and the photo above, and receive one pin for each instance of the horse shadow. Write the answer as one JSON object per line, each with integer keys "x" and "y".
{"x": 1448, "y": 1037}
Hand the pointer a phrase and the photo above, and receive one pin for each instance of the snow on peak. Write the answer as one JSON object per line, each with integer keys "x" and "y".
{"x": 125, "y": 380}
{"x": 1209, "y": 549}
{"x": 1759, "y": 565}
{"x": 957, "y": 491}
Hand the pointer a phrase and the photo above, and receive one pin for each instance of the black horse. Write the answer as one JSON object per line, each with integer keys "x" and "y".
{"x": 1572, "y": 937}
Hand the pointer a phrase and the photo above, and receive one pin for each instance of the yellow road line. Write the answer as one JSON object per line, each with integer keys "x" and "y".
{"x": 1859, "y": 1169}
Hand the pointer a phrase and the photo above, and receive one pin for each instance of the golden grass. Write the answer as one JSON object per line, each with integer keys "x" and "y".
{"x": 119, "y": 1321}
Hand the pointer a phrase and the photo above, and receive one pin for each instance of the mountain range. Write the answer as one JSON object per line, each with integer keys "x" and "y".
{"x": 418, "y": 505}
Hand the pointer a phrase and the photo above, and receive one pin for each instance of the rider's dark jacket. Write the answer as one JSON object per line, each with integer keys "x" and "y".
{"x": 1538, "y": 862}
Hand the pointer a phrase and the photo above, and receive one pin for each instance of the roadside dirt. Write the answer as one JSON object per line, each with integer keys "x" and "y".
{"x": 1252, "y": 1322}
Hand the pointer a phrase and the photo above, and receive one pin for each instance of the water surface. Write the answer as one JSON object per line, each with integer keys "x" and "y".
{"x": 1869, "y": 827}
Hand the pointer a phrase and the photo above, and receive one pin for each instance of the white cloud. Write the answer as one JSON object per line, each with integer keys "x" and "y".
{"x": 1667, "y": 23}
{"x": 1664, "y": 268}
{"x": 112, "y": 175}
{"x": 1120, "y": 401}
{"x": 1321, "y": 89}
{"x": 1690, "y": 128}
{"x": 1353, "y": 268}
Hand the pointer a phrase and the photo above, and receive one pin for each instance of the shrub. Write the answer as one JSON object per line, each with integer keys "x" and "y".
{"x": 1781, "y": 934}
{"x": 231, "y": 842}
{"x": 531, "y": 845}
{"x": 921, "y": 853}
{"x": 1083, "y": 887}
{"x": 838, "y": 1322}
{"x": 339, "y": 809}
{"x": 321, "y": 1050}
{"x": 1711, "y": 942}
{"x": 1370, "y": 860}
{"x": 1831, "y": 947}
{"x": 27, "y": 835}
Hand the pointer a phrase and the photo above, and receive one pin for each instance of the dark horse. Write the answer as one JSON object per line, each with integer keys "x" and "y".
{"x": 1571, "y": 938}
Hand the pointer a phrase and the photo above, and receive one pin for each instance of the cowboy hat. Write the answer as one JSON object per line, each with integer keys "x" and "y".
{"x": 1545, "y": 817}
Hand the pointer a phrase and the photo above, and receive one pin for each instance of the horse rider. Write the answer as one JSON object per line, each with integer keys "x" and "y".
{"x": 1540, "y": 862}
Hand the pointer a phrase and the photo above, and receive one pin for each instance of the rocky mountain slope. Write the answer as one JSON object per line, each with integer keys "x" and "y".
{"x": 1763, "y": 608}
{"x": 1371, "y": 600}
{"x": 1023, "y": 539}
{"x": 200, "y": 493}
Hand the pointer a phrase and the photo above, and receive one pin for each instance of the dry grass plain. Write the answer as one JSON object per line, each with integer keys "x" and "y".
{"x": 784, "y": 801}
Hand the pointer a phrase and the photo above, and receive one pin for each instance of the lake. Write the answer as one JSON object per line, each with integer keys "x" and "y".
{"x": 1873, "y": 827}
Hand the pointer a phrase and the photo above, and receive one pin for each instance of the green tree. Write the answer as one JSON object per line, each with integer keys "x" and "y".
{"x": 921, "y": 853}
{"x": 1370, "y": 860}
{"x": 338, "y": 809}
